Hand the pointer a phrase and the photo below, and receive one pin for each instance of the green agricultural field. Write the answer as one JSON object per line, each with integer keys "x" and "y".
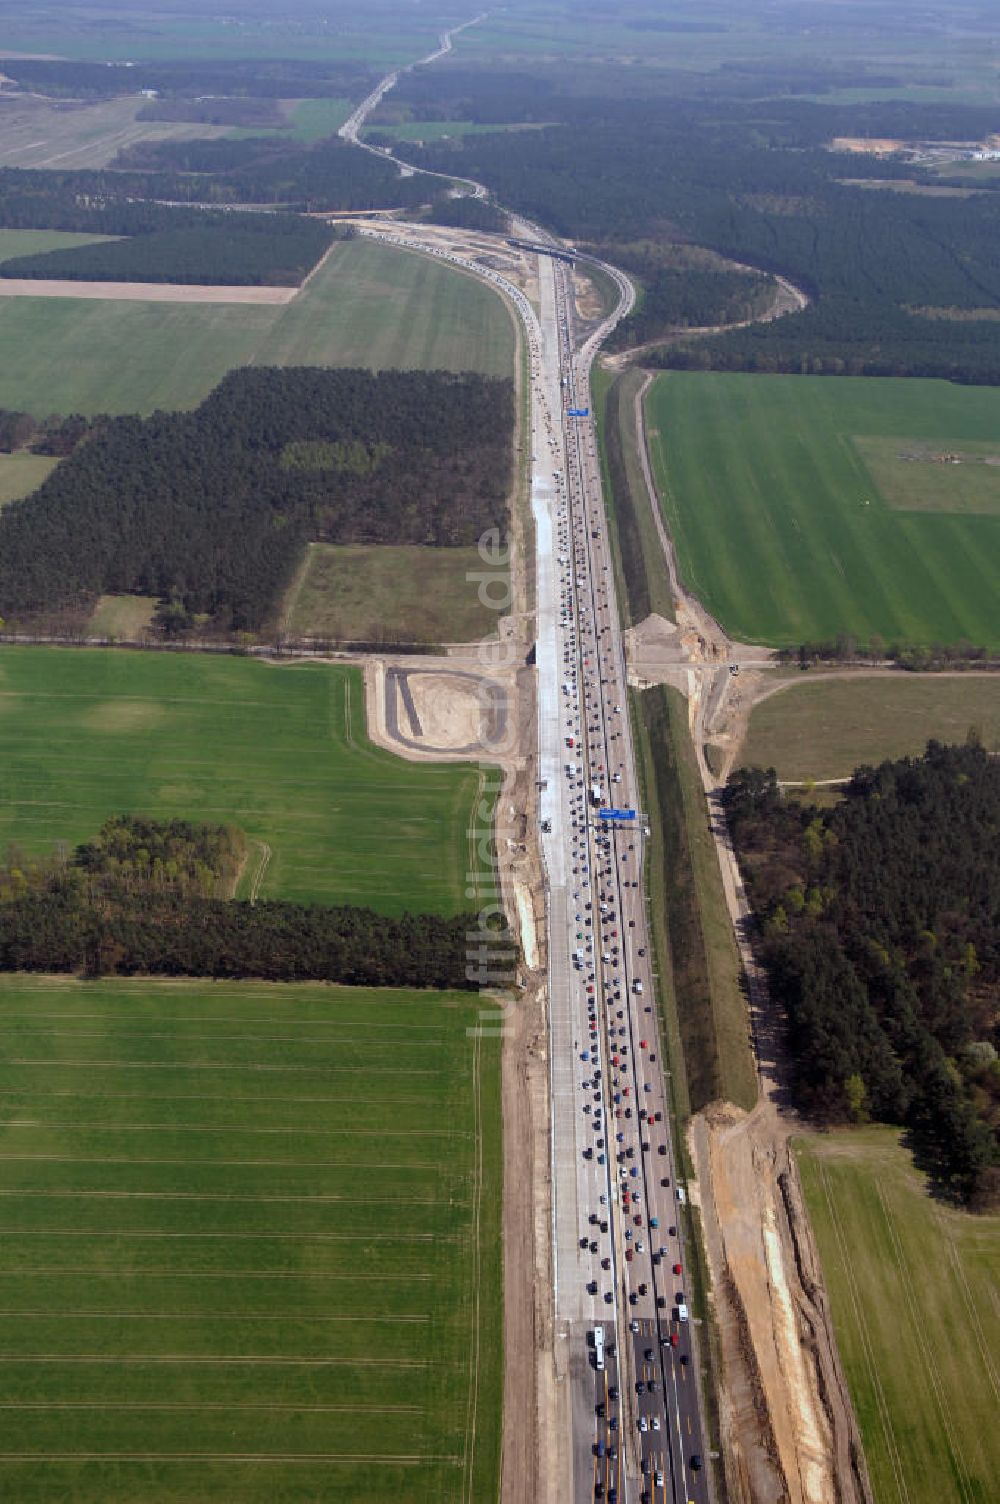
{"x": 249, "y": 1244}
{"x": 281, "y": 751}
{"x": 20, "y": 474}
{"x": 921, "y": 477}
{"x": 315, "y": 119}
{"x": 785, "y": 534}
{"x": 690, "y": 34}
{"x": 824, "y": 728}
{"x": 913, "y": 1290}
{"x": 167, "y": 34}
{"x": 407, "y": 594}
{"x": 367, "y": 305}
{"x": 37, "y": 242}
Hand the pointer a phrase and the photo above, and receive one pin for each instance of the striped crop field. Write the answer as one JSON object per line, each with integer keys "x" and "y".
{"x": 366, "y": 305}
{"x": 913, "y": 1290}
{"x": 249, "y": 1244}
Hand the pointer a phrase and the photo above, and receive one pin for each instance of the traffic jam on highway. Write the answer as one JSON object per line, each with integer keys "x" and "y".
{"x": 641, "y": 1354}
{"x": 632, "y": 1233}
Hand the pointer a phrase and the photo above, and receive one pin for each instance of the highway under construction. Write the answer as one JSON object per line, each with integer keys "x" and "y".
{"x": 619, "y": 1261}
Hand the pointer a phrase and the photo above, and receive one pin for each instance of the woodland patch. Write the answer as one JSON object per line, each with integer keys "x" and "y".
{"x": 210, "y": 511}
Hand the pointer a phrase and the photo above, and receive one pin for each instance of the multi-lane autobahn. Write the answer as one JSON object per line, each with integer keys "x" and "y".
{"x": 647, "y": 1438}
{"x": 618, "y": 1236}
{"x": 621, "y": 1307}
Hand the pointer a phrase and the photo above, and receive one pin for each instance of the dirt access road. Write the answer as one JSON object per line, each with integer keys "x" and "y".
{"x": 787, "y": 299}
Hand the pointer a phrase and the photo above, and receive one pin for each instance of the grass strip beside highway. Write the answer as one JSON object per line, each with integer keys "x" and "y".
{"x": 642, "y": 572}
{"x": 696, "y": 952}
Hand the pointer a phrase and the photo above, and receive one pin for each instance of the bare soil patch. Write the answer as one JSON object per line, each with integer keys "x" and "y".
{"x": 867, "y": 146}
{"x": 128, "y": 616}
{"x": 450, "y": 710}
{"x": 142, "y": 292}
{"x": 787, "y": 1422}
{"x": 587, "y": 298}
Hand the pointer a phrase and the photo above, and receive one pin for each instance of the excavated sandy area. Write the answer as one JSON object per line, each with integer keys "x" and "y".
{"x": 790, "y": 1436}
{"x": 450, "y": 709}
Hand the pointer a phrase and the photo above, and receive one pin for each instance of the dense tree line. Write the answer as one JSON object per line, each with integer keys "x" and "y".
{"x": 614, "y": 93}
{"x": 133, "y": 854}
{"x": 914, "y": 657}
{"x": 97, "y": 202}
{"x": 211, "y": 510}
{"x": 880, "y": 930}
{"x": 60, "y": 930}
{"x": 139, "y": 901}
{"x": 467, "y": 213}
{"x": 54, "y": 435}
{"x": 845, "y": 339}
{"x": 328, "y": 174}
{"x": 273, "y": 250}
{"x": 169, "y": 186}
